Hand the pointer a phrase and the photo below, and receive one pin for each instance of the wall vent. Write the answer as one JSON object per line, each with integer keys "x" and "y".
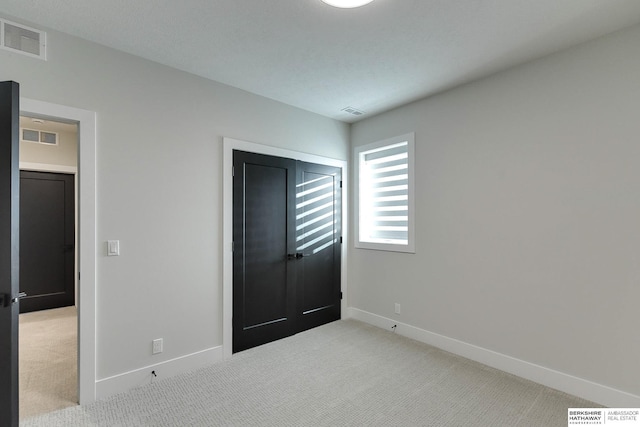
{"x": 39, "y": 136}
{"x": 25, "y": 40}
{"x": 353, "y": 111}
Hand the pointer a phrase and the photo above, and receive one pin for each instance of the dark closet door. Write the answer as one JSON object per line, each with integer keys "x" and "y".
{"x": 263, "y": 236}
{"x": 286, "y": 259}
{"x": 9, "y": 255}
{"x": 318, "y": 234}
{"x": 47, "y": 234}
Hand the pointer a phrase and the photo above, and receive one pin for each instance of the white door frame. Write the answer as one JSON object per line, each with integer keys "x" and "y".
{"x": 87, "y": 251}
{"x": 229, "y": 145}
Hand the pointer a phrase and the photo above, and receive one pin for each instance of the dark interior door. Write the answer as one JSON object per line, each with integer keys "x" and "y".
{"x": 263, "y": 235}
{"x": 47, "y": 235}
{"x": 318, "y": 234}
{"x": 286, "y": 259}
{"x": 9, "y": 252}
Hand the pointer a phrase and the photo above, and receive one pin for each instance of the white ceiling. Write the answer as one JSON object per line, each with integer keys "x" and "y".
{"x": 322, "y": 59}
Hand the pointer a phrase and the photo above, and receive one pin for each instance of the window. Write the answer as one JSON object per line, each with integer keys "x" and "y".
{"x": 39, "y": 136}
{"x": 384, "y": 194}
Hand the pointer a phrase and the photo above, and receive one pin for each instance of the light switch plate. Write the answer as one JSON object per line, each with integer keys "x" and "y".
{"x": 113, "y": 247}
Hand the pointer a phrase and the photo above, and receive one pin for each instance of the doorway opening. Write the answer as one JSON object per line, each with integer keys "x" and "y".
{"x": 86, "y": 247}
{"x": 48, "y": 350}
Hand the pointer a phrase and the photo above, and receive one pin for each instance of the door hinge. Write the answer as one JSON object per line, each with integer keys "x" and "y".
{"x": 78, "y": 275}
{"x": 233, "y": 246}
{"x": 233, "y": 171}
{"x": 340, "y": 295}
{"x": 340, "y": 184}
{"x": 340, "y": 239}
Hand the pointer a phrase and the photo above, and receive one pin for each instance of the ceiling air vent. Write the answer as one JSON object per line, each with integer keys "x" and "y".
{"x": 352, "y": 111}
{"x": 22, "y": 39}
{"x": 39, "y": 136}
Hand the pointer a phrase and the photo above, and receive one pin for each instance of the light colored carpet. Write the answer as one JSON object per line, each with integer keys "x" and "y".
{"x": 48, "y": 355}
{"x": 342, "y": 374}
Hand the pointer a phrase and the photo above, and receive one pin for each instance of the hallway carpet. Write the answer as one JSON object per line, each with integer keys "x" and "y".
{"x": 48, "y": 359}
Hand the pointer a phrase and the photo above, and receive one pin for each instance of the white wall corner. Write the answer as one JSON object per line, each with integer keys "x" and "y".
{"x": 570, "y": 384}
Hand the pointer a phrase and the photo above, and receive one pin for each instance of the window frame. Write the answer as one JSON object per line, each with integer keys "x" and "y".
{"x": 40, "y": 133}
{"x": 358, "y": 153}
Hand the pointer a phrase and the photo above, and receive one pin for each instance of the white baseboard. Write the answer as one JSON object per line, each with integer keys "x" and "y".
{"x": 570, "y": 384}
{"x": 122, "y": 382}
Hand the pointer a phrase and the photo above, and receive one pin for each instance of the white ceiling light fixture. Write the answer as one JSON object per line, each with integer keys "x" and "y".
{"x": 347, "y": 4}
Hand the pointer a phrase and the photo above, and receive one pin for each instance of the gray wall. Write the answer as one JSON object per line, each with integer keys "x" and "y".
{"x": 159, "y": 190}
{"x": 528, "y": 210}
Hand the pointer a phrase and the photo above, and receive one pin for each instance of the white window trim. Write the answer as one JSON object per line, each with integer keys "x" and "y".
{"x": 394, "y": 247}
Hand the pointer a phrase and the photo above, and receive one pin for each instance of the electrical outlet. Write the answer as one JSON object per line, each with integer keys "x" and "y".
{"x": 397, "y": 308}
{"x": 157, "y": 346}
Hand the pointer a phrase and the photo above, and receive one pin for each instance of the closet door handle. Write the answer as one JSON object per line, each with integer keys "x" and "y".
{"x": 295, "y": 256}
